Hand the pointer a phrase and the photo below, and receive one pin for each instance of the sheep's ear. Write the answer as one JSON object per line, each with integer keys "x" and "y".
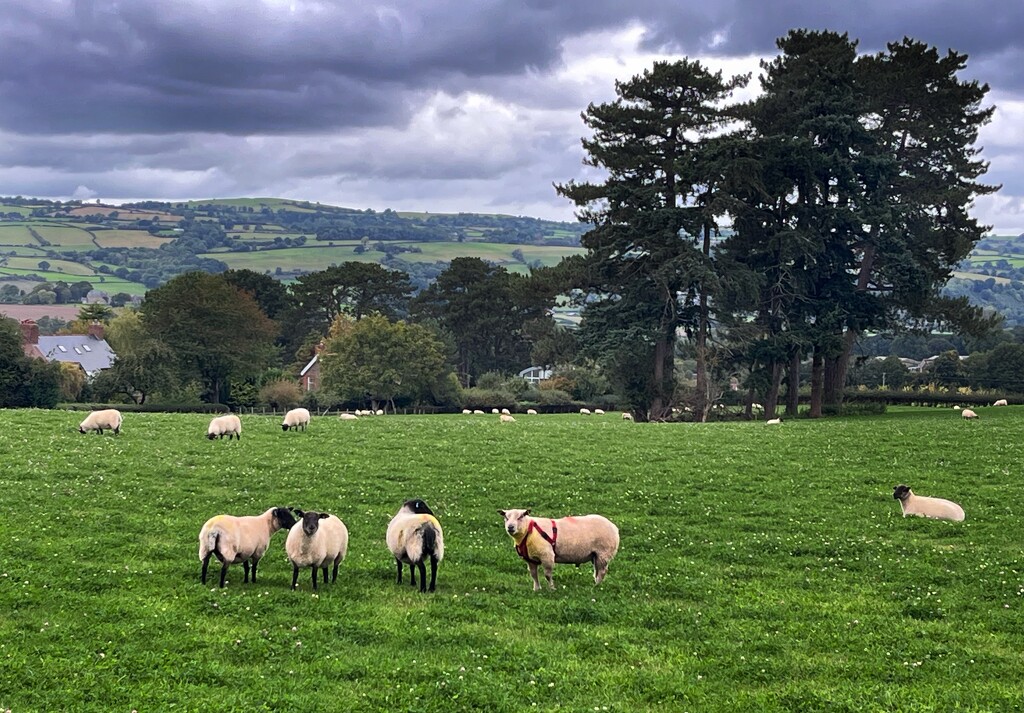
{"x": 299, "y": 512}
{"x": 525, "y": 512}
{"x": 324, "y": 515}
{"x": 501, "y": 512}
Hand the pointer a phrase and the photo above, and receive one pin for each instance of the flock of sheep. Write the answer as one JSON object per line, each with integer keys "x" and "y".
{"x": 414, "y": 536}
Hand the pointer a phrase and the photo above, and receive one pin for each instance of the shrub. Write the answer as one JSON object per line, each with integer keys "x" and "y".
{"x": 283, "y": 393}
{"x": 554, "y": 397}
{"x": 477, "y": 398}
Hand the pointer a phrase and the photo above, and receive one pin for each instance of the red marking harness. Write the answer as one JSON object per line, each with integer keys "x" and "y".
{"x": 521, "y": 547}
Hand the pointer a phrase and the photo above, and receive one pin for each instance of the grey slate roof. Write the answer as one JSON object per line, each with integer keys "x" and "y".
{"x": 92, "y": 354}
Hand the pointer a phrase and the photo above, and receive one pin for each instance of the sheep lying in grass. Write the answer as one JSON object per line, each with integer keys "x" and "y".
{"x": 773, "y": 421}
{"x": 348, "y": 417}
{"x": 414, "y": 535}
{"x": 296, "y": 418}
{"x": 1001, "y": 402}
{"x": 477, "y": 412}
{"x": 531, "y": 412}
{"x": 627, "y": 416}
{"x": 229, "y": 425}
{"x": 957, "y": 407}
{"x": 585, "y": 411}
{"x": 506, "y": 418}
{"x": 968, "y": 414}
{"x": 315, "y": 541}
{"x": 937, "y": 508}
{"x": 566, "y": 540}
{"x": 240, "y": 539}
{"x": 109, "y": 419}
{"x": 466, "y": 412}
{"x": 506, "y": 412}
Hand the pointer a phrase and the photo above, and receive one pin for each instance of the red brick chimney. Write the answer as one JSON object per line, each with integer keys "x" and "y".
{"x": 96, "y": 330}
{"x": 29, "y": 332}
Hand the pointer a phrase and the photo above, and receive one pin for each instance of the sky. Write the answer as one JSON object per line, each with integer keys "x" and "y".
{"x": 436, "y": 105}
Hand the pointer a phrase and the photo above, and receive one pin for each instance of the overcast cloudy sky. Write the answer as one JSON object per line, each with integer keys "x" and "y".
{"x": 440, "y": 105}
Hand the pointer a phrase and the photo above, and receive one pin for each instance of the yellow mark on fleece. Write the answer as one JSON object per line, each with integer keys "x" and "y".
{"x": 218, "y": 520}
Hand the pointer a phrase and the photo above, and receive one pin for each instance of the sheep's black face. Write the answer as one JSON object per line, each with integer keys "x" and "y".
{"x": 284, "y": 518}
{"x": 419, "y": 507}
{"x": 211, "y": 436}
{"x": 284, "y": 426}
{"x": 311, "y": 522}
{"x": 900, "y": 492}
{"x": 81, "y": 430}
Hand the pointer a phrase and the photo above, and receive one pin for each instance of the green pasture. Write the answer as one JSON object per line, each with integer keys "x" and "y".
{"x": 56, "y": 266}
{"x": 311, "y": 258}
{"x": 16, "y": 234}
{"x": 762, "y": 568}
{"x": 978, "y": 276}
{"x": 67, "y": 237}
{"x": 129, "y": 239}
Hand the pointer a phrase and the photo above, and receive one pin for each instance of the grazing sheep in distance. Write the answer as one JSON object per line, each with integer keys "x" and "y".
{"x": 413, "y": 535}
{"x": 466, "y": 412}
{"x": 379, "y": 412}
{"x": 109, "y": 419}
{"x": 937, "y": 508}
{"x": 531, "y": 412}
{"x": 228, "y": 425}
{"x": 478, "y": 412}
{"x": 968, "y": 414}
{"x": 495, "y": 411}
{"x": 240, "y": 539}
{"x": 599, "y": 412}
{"x": 1001, "y": 402}
{"x": 957, "y": 407}
{"x": 566, "y": 540}
{"x": 315, "y": 541}
{"x": 585, "y": 411}
{"x": 507, "y": 418}
{"x": 627, "y": 416}
{"x": 506, "y": 412}
{"x": 773, "y": 421}
{"x": 348, "y": 417}
{"x": 296, "y": 418}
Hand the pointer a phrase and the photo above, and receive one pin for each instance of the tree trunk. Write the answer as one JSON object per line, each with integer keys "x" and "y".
{"x": 771, "y": 400}
{"x": 832, "y": 390}
{"x": 662, "y": 360}
{"x": 793, "y": 394}
{"x": 702, "y": 407}
{"x": 817, "y": 377}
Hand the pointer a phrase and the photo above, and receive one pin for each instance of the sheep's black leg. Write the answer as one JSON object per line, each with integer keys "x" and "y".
{"x": 295, "y": 576}
{"x": 433, "y": 571}
{"x": 223, "y": 574}
{"x": 334, "y": 575}
{"x": 314, "y": 578}
{"x": 254, "y": 563}
{"x": 399, "y": 563}
{"x": 423, "y": 575}
{"x": 324, "y": 571}
{"x": 412, "y": 574}
{"x": 245, "y": 567}
{"x": 206, "y": 564}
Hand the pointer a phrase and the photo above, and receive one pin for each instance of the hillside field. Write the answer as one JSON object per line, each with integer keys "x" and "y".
{"x": 761, "y": 568}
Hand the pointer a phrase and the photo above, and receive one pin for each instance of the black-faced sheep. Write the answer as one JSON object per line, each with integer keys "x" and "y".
{"x": 937, "y": 508}
{"x": 228, "y": 425}
{"x": 1001, "y": 402}
{"x": 565, "y": 540}
{"x": 315, "y": 541}
{"x": 413, "y": 536}
{"x": 295, "y": 419}
{"x": 240, "y": 539}
{"x": 109, "y": 419}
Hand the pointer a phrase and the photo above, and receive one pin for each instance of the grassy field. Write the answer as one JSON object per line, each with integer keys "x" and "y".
{"x": 761, "y": 568}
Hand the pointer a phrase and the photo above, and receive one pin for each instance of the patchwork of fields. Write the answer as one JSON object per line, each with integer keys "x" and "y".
{"x": 761, "y": 568}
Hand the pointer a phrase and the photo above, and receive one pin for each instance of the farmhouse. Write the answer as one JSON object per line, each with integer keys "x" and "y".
{"x": 309, "y": 377}
{"x": 90, "y": 351}
{"x": 535, "y": 374}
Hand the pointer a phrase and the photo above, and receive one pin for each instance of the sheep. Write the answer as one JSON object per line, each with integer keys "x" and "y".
{"x": 585, "y": 411}
{"x": 379, "y": 412}
{"x": 531, "y": 412}
{"x": 240, "y": 539}
{"x": 296, "y": 418}
{"x": 968, "y": 414}
{"x": 1001, "y": 402}
{"x": 937, "y": 508}
{"x": 228, "y": 425}
{"x": 773, "y": 421}
{"x": 566, "y": 540}
{"x": 507, "y": 418}
{"x": 478, "y": 412}
{"x": 413, "y": 535}
{"x": 495, "y": 411}
{"x": 506, "y": 412}
{"x": 627, "y": 416}
{"x": 109, "y": 419}
{"x": 466, "y": 412}
{"x": 316, "y": 540}
{"x": 348, "y": 417}
{"x": 957, "y": 407}
{"x": 599, "y": 412}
